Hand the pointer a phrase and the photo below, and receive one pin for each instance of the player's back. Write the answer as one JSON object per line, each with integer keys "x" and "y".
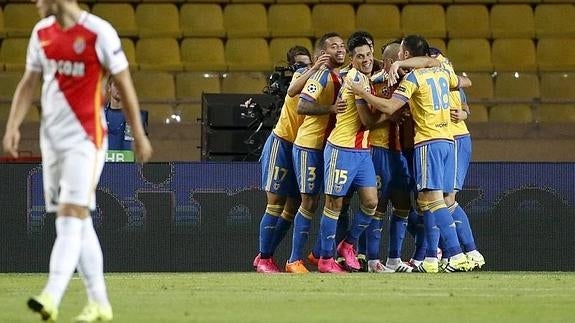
{"x": 289, "y": 120}
{"x": 321, "y": 88}
{"x": 428, "y": 90}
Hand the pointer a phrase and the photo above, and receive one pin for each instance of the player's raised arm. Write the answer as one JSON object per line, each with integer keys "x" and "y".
{"x": 21, "y": 103}
{"x": 410, "y": 63}
{"x": 381, "y": 104}
{"x": 131, "y": 107}
{"x": 297, "y": 84}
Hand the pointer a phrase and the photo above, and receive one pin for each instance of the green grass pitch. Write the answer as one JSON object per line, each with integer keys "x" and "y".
{"x": 250, "y": 297}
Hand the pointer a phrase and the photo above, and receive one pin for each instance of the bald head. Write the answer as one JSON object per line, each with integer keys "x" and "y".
{"x": 391, "y": 51}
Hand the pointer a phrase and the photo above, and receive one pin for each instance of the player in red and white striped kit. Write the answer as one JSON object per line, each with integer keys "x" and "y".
{"x": 71, "y": 50}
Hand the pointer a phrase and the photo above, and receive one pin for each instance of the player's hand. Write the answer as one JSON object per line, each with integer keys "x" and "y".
{"x": 393, "y": 74}
{"x": 356, "y": 87}
{"x": 339, "y": 107}
{"x": 11, "y": 141}
{"x": 458, "y": 115}
{"x": 142, "y": 149}
{"x": 320, "y": 62}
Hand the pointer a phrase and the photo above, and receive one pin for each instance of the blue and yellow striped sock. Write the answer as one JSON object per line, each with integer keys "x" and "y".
{"x": 359, "y": 223}
{"x": 444, "y": 222}
{"x": 267, "y": 229}
{"x": 397, "y": 227}
{"x": 282, "y": 227}
{"x": 301, "y": 227}
{"x": 327, "y": 228}
{"x": 463, "y": 227}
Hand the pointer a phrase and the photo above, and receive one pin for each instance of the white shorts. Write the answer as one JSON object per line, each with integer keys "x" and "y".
{"x": 71, "y": 175}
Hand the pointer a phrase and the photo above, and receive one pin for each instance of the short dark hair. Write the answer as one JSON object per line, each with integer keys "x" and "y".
{"x": 362, "y": 33}
{"x": 434, "y": 51}
{"x": 355, "y": 42}
{"x": 321, "y": 41}
{"x": 416, "y": 45}
{"x": 295, "y": 51}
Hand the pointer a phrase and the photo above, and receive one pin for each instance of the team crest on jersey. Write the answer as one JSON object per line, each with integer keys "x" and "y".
{"x": 386, "y": 91}
{"x": 312, "y": 88}
{"x": 310, "y": 186}
{"x": 276, "y": 186}
{"x": 79, "y": 45}
{"x": 337, "y": 188}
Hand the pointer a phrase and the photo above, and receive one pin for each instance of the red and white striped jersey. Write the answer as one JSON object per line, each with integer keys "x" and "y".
{"x": 73, "y": 62}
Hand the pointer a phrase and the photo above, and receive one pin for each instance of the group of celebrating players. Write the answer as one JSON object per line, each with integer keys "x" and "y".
{"x": 388, "y": 130}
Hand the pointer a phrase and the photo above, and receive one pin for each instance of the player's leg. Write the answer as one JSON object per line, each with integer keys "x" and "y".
{"x": 432, "y": 172}
{"x": 274, "y": 170}
{"x": 360, "y": 171}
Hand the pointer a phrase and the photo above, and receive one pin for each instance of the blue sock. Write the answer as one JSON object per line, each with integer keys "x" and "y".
{"x": 415, "y": 222}
{"x": 282, "y": 227}
{"x": 444, "y": 222}
{"x": 397, "y": 227}
{"x": 463, "y": 227}
{"x": 359, "y": 223}
{"x": 316, "y": 250}
{"x": 445, "y": 253}
{"x": 373, "y": 237}
{"x": 432, "y": 232}
{"x": 301, "y": 227}
{"x": 267, "y": 229}
{"x": 362, "y": 243}
{"x": 327, "y": 228}
{"x": 342, "y": 224}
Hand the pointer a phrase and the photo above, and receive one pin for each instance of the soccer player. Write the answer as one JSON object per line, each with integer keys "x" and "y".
{"x": 459, "y": 113}
{"x": 317, "y": 102}
{"x": 71, "y": 50}
{"x": 278, "y": 177}
{"x": 348, "y": 164}
{"x": 427, "y": 91}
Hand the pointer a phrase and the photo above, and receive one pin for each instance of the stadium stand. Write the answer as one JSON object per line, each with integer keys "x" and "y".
{"x": 470, "y": 54}
{"x": 512, "y": 21}
{"x": 202, "y": 20}
{"x": 120, "y": 15}
{"x": 13, "y": 53}
{"x": 246, "y": 20}
{"x": 158, "y": 89}
{"x": 556, "y": 113}
{"x": 555, "y": 20}
{"x": 19, "y": 19}
{"x": 247, "y": 54}
{"x": 333, "y": 17}
{"x": 158, "y": 20}
{"x": 467, "y": 21}
{"x": 511, "y": 113}
{"x": 520, "y": 86}
{"x": 368, "y": 17}
{"x": 130, "y": 51}
{"x": 158, "y": 54}
{"x": 482, "y": 88}
{"x": 556, "y": 54}
{"x": 191, "y": 85}
{"x": 512, "y": 55}
{"x": 203, "y": 54}
{"x": 559, "y": 85}
{"x": 243, "y": 82}
{"x": 412, "y": 22}
{"x": 279, "y": 47}
{"x": 290, "y": 20}
{"x": 478, "y": 113}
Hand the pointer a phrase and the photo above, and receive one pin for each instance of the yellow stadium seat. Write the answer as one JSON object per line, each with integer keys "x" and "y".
{"x": 517, "y": 86}
{"x": 252, "y": 1}
{"x": 557, "y": 113}
{"x": 438, "y": 43}
{"x": 158, "y": 20}
{"x": 244, "y": 82}
{"x": 246, "y": 20}
{"x": 208, "y": 1}
{"x": 2, "y": 30}
{"x": 290, "y": 20}
{"x": 120, "y": 15}
{"x": 556, "y": 54}
{"x": 19, "y": 19}
{"x": 512, "y": 55}
{"x": 297, "y": 1}
{"x": 511, "y": 113}
{"x": 130, "y": 51}
{"x": 555, "y": 20}
{"x": 160, "y": 113}
{"x": 158, "y": 54}
{"x": 478, "y": 113}
{"x": 247, "y": 54}
{"x": 190, "y": 112}
{"x": 413, "y": 21}
{"x": 202, "y": 20}
{"x": 4, "y": 111}
{"x": 557, "y": 85}
{"x": 155, "y": 87}
{"x": 467, "y": 21}
{"x": 8, "y": 83}
{"x": 470, "y": 54}
{"x": 369, "y": 18}
{"x": 512, "y": 21}
{"x": 521, "y": 1}
{"x": 474, "y": 1}
{"x": 280, "y": 46}
{"x": 203, "y": 54}
{"x": 339, "y": 18}
{"x": 482, "y": 88}
{"x": 13, "y": 53}
{"x": 191, "y": 85}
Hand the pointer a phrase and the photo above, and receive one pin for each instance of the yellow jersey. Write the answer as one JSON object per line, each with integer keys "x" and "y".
{"x": 321, "y": 88}
{"x": 427, "y": 91}
{"x": 456, "y": 98}
{"x": 380, "y": 136}
{"x": 349, "y": 132}
{"x": 289, "y": 120}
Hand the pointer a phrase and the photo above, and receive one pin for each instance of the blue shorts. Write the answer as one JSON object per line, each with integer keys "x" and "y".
{"x": 277, "y": 167}
{"x": 392, "y": 171}
{"x": 308, "y": 168}
{"x": 462, "y": 159}
{"x": 346, "y": 168}
{"x": 435, "y": 166}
